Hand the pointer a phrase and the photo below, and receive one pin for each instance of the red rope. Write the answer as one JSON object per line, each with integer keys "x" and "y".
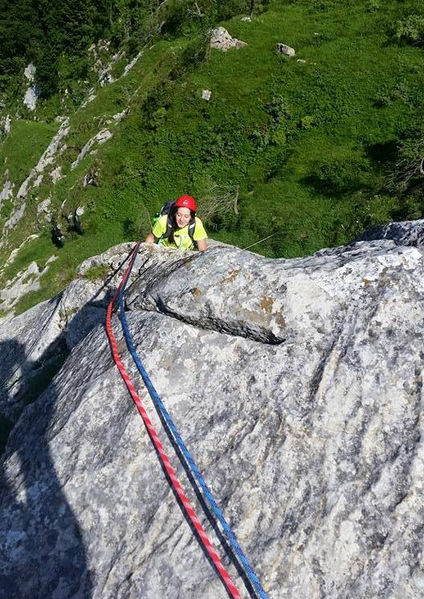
{"x": 164, "y": 458}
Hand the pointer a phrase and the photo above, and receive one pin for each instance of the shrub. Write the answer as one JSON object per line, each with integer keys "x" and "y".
{"x": 373, "y": 6}
{"x": 411, "y": 30}
{"x": 339, "y": 175}
{"x": 409, "y": 166}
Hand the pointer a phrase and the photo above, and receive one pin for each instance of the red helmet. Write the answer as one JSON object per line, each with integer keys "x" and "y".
{"x": 186, "y": 202}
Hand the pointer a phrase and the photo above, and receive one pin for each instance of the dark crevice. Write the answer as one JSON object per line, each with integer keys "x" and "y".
{"x": 236, "y": 328}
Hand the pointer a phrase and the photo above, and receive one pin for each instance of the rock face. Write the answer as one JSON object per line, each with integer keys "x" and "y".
{"x": 284, "y": 49}
{"x": 32, "y": 93}
{"x": 48, "y": 157}
{"x": 222, "y": 40}
{"x": 297, "y": 386}
{"x": 403, "y": 233}
{"x": 100, "y": 138}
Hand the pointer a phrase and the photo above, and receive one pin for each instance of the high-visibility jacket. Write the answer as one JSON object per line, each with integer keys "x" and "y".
{"x": 183, "y": 241}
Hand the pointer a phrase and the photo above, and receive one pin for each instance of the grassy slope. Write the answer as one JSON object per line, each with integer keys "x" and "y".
{"x": 309, "y": 144}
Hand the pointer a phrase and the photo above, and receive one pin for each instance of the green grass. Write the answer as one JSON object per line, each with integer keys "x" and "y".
{"x": 310, "y": 145}
{"x": 100, "y": 271}
{"x": 23, "y": 147}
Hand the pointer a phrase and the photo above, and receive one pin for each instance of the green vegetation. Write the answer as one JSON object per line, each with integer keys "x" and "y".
{"x": 20, "y": 152}
{"x": 310, "y": 150}
{"x": 100, "y": 271}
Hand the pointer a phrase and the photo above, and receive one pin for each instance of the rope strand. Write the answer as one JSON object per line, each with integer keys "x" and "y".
{"x": 232, "y": 590}
{"x": 161, "y": 407}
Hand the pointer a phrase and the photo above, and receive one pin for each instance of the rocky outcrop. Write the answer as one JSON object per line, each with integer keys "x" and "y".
{"x": 6, "y": 193}
{"x": 130, "y": 65}
{"x": 25, "y": 281}
{"x": 49, "y": 156}
{"x": 402, "y": 233}
{"x": 100, "y": 138}
{"x": 284, "y": 49}
{"x": 297, "y": 385}
{"x": 222, "y": 40}
{"x": 32, "y": 93}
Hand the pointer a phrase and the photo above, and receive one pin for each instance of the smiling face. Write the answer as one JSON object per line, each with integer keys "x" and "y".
{"x": 183, "y": 217}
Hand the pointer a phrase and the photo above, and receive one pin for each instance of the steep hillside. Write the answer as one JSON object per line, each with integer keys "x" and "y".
{"x": 295, "y": 152}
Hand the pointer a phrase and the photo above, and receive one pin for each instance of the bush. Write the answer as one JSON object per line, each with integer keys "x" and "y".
{"x": 373, "y": 6}
{"x": 339, "y": 175}
{"x": 408, "y": 169}
{"x": 411, "y": 30}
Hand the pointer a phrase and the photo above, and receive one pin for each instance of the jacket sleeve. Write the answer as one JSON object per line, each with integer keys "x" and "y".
{"x": 159, "y": 227}
{"x": 199, "y": 231}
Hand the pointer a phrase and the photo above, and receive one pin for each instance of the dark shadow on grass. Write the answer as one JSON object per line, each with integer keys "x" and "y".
{"x": 383, "y": 153}
{"x": 327, "y": 187}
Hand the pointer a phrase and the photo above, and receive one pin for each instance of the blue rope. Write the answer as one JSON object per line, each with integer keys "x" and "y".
{"x": 159, "y": 404}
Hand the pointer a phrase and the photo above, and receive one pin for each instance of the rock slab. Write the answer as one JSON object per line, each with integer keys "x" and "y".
{"x": 297, "y": 386}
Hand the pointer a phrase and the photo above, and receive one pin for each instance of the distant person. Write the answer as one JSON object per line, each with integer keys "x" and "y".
{"x": 178, "y": 227}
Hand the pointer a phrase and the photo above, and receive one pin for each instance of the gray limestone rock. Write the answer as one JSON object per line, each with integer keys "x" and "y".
{"x": 100, "y": 138}
{"x": 402, "y": 233}
{"x": 297, "y": 386}
{"x": 284, "y": 49}
{"x": 222, "y": 40}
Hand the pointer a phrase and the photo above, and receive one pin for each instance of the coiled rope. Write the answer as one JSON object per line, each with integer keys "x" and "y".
{"x": 178, "y": 439}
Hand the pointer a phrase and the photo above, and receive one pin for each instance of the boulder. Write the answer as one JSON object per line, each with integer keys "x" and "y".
{"x": 222, "y": 40}
{"x": 287, "y": 50}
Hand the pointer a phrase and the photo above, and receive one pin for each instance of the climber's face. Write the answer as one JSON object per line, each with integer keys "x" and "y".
{"x": 182, "y": 216}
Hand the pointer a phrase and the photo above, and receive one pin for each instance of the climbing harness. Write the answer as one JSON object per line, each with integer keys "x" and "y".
{"x": 119, "y": 300}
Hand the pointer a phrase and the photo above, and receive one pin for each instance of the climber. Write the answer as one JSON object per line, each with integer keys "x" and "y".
{"x": 178, "y": 227}
{"x": 57, "y": 236}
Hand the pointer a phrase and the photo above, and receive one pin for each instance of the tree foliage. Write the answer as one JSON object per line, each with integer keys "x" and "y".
{"x": 41, "y": 31}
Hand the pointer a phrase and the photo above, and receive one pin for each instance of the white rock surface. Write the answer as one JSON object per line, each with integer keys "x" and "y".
{"x": 130, "y": 65}
{"x": 297, "y": 385}
{"x": 6, "y": 192}
{"x": 30, "y": 97}
{"x": 24, "y": 282}
{"x": 100, "y": 138}
{"x": 16, "y": 251}
{"x": 56, "y": 174}
{"x": 29, "y": 72}
{"x": 222, "y": 40}
{"x": 90, "y": 98}
{"x": 44, "y": 207}
{"x": 120, "y": 115}
{"x": 287, "y": 50}
{"x": 17, "y": 213}
{"x": 32, "y": 93}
